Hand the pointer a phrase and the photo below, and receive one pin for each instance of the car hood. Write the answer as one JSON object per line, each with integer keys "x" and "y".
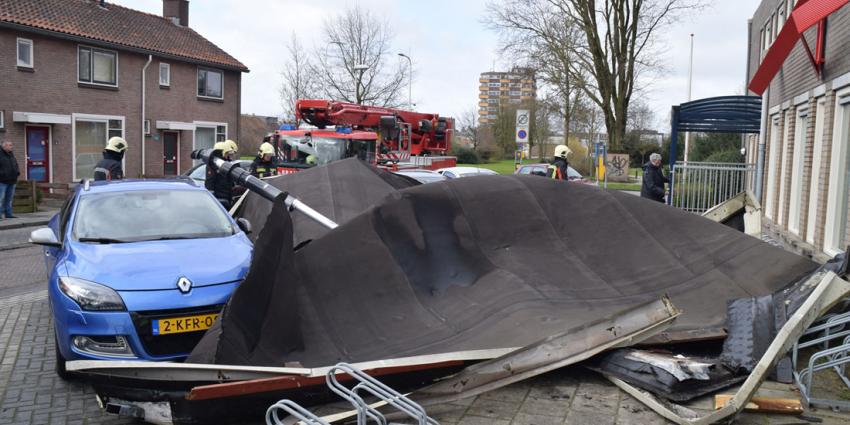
{"x": 157, "y": 265}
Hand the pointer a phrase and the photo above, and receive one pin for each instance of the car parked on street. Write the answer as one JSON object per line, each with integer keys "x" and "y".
{"x": 458, "y": 172}
{"x": 543, "y": 170}
{"x": 422, "y": 176}
{"x": 139, "y": 269}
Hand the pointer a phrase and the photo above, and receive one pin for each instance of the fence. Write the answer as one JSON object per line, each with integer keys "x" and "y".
{"x": 698, "y": 186}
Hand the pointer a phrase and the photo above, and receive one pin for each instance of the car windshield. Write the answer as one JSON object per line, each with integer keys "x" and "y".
{"x": 199, "y": 173}
{"x": 143, "y": 215}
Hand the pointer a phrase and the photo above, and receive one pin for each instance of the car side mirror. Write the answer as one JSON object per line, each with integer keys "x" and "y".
{"x": 44, "y": 237}
{"x": 244, "y": 224}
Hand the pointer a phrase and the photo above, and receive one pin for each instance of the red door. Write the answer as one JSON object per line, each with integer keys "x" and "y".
{"x": 38, "y": 153}
{"x": 169, "y": 153}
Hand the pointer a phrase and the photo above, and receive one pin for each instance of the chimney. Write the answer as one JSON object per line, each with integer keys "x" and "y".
{"x": 177, "y": 11}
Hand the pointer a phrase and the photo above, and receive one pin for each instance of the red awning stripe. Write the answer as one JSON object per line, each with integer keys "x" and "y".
{"x": 805, "y": 15}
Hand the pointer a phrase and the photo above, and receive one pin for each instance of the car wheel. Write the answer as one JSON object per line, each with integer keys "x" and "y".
{"x": 60, "y": 361}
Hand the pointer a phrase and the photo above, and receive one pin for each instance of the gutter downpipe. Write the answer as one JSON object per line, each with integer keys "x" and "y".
{"x": 144, "y": 68}
{"x": 761, "y": 151}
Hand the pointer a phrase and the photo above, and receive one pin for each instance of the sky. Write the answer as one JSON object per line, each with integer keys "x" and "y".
{"x": 450, "y": 46}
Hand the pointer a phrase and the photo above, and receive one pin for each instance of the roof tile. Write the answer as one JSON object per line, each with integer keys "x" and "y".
{"x": 116, "y": 25}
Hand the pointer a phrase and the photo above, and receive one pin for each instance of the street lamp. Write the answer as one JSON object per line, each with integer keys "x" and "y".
{"x": 409, "y": 81}
{"x": 361, "y": 68}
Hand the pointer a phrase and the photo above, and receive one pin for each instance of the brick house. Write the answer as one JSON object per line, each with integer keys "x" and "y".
{"x": 805, "y": 129}
{"x": 76, "y": 72}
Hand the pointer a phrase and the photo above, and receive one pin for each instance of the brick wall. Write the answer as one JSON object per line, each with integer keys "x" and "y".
{"x": 807, "y": 168}
{"x": 53, "y": 88}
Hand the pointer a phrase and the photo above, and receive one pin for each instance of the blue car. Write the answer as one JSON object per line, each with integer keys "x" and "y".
{"x": 138, "y": 270}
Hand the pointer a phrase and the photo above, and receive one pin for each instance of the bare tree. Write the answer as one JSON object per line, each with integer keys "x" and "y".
{"x": 613, "y": 50}
{"x": 641, "y": 116}
{"x": 468, "y": 125}
{"x": 357, "y": 63}
{"x": 534, "y": 35}
{"x": 619, "y": 36}
{"x": 298, "y": 79}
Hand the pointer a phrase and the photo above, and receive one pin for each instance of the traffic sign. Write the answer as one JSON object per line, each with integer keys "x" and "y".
{"x": 522, "y": 121}
{"x": 522, "y": 134}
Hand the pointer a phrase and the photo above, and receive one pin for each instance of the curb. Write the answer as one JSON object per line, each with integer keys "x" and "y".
{"x": 24, "y": 224}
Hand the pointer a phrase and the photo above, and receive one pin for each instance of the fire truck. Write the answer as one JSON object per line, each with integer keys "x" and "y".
{"x": 385, "y": 137}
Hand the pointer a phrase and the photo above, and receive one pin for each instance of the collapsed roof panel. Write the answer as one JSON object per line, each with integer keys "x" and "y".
{"x": 479, "y": 263}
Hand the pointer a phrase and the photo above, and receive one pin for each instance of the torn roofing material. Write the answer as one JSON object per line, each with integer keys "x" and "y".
{"x": 482, "y": 263}
{"x": 340, "y": 192}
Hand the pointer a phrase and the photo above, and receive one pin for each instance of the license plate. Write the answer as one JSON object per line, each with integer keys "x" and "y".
{"x": 176, "y": 325}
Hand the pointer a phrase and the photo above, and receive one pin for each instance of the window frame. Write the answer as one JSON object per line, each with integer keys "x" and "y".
{"x": 838, "y": 168}
{"x": 92, "y": 51}
{"x": 773, "y": 165}
{"x": 2, "y": 120}
{"x": 814, "y": 186}
{"x": 18, "y": 43}
{"x": 105, "y": 119}
{"x": 167, "y": 83}
{"x": 198, "y": 83}
{"x": 796, "y": 169}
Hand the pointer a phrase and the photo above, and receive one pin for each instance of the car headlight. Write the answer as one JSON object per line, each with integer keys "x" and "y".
{"x": 91, "y": 296}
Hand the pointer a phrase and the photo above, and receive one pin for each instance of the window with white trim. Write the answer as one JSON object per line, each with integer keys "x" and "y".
{"x": 2, "y": 120}
{"x": 164, "y": 74}
{"x": 97, "y": 66}
{"x": 783, "y": 169}
{"x": 210, "y": 83}
{"x": 25, "y": 52}
{"x": 796, "y": 169}
{"x": 772, "y": 166}
{"x": 814, "y": 193}
{"x": 835, "y": 238}
{"x": 147, "y": 127}
{"x": 90, "y": 136}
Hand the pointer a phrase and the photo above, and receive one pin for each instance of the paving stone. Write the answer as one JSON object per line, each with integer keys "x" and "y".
{"x": 580, "y": 417}
{"x": 478, "y": 420}
{"x": 530, "y": 419}
{"x": 547, "y": 407}
{"x": 493, "y": 409}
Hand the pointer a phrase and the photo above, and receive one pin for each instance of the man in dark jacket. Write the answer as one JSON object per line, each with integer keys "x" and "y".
{"x": 109, "y": 168}
{"x": 221, "y": 186}
{"x": 8, "y": 178}
{"x": 653, "y": 179}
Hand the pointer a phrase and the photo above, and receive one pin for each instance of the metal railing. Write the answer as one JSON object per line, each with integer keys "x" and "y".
{"x": 699, "y": 186}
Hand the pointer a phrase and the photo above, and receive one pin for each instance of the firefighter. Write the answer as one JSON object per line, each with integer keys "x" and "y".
{"x": 263, "y": 165}
{"x": 109, "y": 168}
{"x": 221, "y": 186}
{"x": 559, "y": 164}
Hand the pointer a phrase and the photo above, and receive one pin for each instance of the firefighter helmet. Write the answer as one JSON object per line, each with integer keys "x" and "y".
{"x": 266, "y": 149}
{"x": 561, "y": 151}
{"x": 116, "y": 144}
{"x": 311, "y": 159}
{"x": 228, "y": 146}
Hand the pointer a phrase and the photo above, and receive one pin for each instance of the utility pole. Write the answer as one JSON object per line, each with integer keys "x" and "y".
{"x": 409, "y": 81}
{"x": 690, "y": 81}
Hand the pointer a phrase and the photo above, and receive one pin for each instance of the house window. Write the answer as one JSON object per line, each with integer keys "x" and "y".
{"x": 147, "y": 127}
{"x": 772, "y": 165}
{"x": 97, "y": 66}
{"x": 2, "y": 120}
{"x": 835, "y": 238}
{"x": 797, "y": 171}
{"x": 210, "y": 83}
{"x": 220, "y": 133}
{"x": 25, "y": 53}
{"x": 164, "y": 74}
{"x": 784, "y": 169}
{"x": 494, "y": 84}
{"x": 814, "y": 194}
{"x": 493, "y": 92}
{"x": 90, "y": 136}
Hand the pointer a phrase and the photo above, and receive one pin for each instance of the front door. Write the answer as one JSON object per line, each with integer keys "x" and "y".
{"x": 38, "y": 153}
{"x": 169, "y": 153}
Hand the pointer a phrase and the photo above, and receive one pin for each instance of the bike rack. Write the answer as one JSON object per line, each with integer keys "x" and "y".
{"x": 365, "y": 412}
{"x": 822, "y": 334}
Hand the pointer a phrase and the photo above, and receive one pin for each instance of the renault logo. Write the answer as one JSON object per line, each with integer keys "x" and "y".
{"x": 184, "y": 285}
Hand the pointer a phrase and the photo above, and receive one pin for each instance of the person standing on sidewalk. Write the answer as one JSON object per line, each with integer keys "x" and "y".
{"x": 9, "y": 173}
{"x": 653, "y": 179}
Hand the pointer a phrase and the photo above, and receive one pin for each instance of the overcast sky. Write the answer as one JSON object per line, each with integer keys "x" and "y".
{"x": 450, "y": 47}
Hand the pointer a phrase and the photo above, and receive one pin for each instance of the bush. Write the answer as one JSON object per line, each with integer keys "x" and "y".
{"x": 729, "y": 155}
{"x": 466, "y": 156}
{"x": 485, "y": 154}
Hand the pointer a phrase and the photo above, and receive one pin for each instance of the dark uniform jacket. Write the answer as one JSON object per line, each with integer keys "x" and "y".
{"x": 8, "y": 167}
{"x": 562, "y": 166}
{"x": 653, "y": 183}
{"x": 220, "y": 186}
{"x": 109, "y": 168}
{"x": 260, "y": 168}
